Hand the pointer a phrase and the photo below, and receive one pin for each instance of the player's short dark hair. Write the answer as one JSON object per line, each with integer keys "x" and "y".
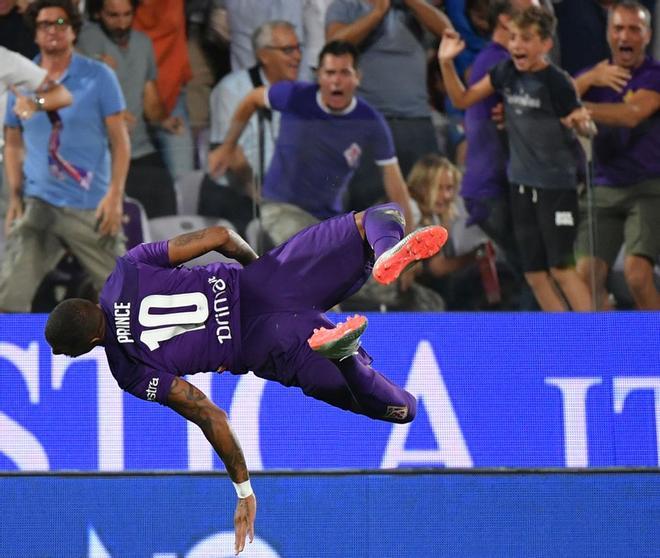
{"x": 69, "y": 6}
{"x": 339, "y": 48}
{"x": 538, "y": 17}
{"x": 496, "y": 8}
{"x": 72, "y": 322}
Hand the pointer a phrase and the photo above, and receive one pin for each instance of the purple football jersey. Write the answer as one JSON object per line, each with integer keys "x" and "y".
{"x": 165, "y": 321}
{"x": 485, "y": 170}
{"x": 318, "y": 152}
{"x": 625, "y": 156}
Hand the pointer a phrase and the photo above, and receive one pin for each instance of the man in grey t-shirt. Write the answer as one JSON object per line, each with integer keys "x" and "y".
{"x": 109, "y": 37}
{"x": 390, "y": 37}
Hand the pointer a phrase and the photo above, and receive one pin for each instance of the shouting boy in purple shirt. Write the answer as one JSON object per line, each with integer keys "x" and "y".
{"x": 159, "y": 321}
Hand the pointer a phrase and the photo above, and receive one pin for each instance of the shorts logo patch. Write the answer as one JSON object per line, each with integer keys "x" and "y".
{"x": 564, "y": 219}
{"x": 352, "y": 155}
{"x": 395, "y": 412}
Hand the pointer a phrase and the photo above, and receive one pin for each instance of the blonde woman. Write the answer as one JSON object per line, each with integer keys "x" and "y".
{"x": 461, "y": 277}
{"x": 433, "y": 183}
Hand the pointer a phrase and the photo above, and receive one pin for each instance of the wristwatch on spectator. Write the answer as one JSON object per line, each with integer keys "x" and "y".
{"x": 39, "y": 102}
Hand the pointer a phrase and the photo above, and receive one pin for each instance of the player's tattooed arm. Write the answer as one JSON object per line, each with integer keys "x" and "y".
{"x": 227, "y": 242}
{"x": 238, "y": 249}
{"x": 193, "y": 405}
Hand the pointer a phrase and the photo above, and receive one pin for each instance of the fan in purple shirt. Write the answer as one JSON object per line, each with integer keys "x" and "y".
{"x": 159, "y": 321}
{"x": 623, "y": 96}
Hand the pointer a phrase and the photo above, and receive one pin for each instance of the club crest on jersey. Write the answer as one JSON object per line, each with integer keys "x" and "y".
{"x": 352, "y": 155}
{"x": 396, "y": 412}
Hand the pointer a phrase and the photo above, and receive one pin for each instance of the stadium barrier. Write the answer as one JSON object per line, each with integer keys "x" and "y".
{"x": 421, "y": 514}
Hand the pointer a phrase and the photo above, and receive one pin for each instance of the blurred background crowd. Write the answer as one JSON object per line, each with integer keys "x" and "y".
{"x": 187, "y": 113}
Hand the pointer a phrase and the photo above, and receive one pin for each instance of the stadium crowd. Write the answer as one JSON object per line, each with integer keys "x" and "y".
{"x": 528, "y": 128}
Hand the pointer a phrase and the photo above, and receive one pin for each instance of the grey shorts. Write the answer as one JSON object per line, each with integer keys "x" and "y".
{"x": 628, "y": 215}
{"x": 38, "y": 241}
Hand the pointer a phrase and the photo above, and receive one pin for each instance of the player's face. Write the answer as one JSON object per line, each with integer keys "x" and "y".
{"x": 628, "y": 33}
{"x": 117, "y": 18}
{"x": 338, "y": 80}
{"x": 54, "y": 34}
{"x": 281, "y": 59}
{"x": 528, "y": 50}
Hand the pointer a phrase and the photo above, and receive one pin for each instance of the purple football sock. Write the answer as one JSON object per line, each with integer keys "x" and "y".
{"x": 383, "y": 227}
{"x": 378, "y": 397}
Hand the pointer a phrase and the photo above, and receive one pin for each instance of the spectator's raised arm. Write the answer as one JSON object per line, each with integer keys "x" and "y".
{"x": 356, "y": 31}
{"x": 450, "y": 47}
{"x": 429, "y": 16}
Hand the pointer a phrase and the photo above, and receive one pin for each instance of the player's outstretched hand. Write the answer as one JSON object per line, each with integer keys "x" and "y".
{"x": 246, "y": 511}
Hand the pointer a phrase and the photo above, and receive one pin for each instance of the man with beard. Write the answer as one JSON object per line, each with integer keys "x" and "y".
{"x": 110, "y": 38}
{"x": 65, "y": 169}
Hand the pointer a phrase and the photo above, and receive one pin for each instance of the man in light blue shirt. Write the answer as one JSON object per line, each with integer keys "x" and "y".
{"x": 66, "y": 169}
{"x": 37, "y": 93}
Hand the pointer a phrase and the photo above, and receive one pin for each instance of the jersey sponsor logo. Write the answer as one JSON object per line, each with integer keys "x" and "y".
{"x": 564, "y": 219}
{"x": 122, "y": 314}
{"x": 352, "y": 155}
{"x": 152, "y": 389}
{"x": 220, "y": 309}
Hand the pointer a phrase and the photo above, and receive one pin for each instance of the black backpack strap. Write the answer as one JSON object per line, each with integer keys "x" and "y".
{"x": 255, "y": 77}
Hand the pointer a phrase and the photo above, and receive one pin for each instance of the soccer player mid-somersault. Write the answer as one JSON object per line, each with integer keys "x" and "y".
{"x": 159, "y": 321}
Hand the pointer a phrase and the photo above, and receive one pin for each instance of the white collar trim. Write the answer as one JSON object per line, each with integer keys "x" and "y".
{"x": 351, "y": 106}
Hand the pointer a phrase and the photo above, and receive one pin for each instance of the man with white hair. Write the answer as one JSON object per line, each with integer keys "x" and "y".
{"x": 278, "y": 54}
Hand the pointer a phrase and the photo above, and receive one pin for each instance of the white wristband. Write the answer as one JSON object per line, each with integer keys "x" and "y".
{"x": 243, "y": 489}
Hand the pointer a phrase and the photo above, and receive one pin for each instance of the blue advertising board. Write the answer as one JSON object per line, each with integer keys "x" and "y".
{"x": 493, "y": 390}
{"x": 327, "y": 516}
